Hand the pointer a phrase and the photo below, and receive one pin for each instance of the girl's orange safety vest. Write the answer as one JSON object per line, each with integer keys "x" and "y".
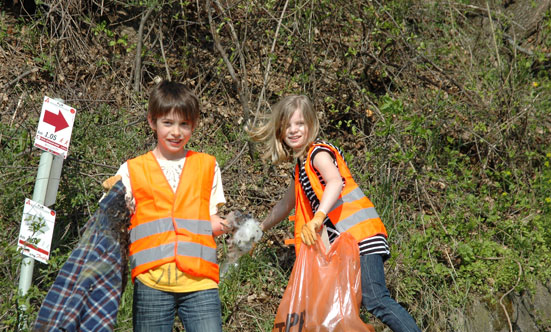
{"x": 353, "y": 212}
{"x": 173, "y": 227}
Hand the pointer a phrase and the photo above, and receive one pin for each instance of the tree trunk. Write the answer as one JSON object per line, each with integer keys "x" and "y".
{"x": 526, "y": 15}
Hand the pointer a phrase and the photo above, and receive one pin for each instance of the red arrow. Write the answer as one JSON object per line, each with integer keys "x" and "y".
{"x": 56, "y": 120}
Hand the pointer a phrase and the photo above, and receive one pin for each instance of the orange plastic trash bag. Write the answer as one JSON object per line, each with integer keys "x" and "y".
{"x": 324, "y": 290}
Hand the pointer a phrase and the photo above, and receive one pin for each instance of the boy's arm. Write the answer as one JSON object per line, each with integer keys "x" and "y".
{"x": 110, "y": 182}
{"x": 124, "y": 175}
{"x": 281, "y": 210}
{"x": 219, "y": 225}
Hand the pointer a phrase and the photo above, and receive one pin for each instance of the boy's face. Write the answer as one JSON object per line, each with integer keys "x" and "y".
{"x": 173, "y": 133}
{"x": 296, "y": 134}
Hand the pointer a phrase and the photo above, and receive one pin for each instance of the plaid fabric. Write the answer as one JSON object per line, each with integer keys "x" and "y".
{"x": 86, "y": 293}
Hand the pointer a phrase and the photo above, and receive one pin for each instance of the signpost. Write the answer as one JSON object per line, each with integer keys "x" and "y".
{"x": 37, "y": 229}
{"x": 55, "y": 127}
{"x": 53, "y": 136}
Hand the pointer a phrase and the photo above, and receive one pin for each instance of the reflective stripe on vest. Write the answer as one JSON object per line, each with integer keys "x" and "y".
{"x": 202, "y": 227}
{"x": 359, "y": 216}
{"x": 170, "y": 226}
{"x": 167, "y": 250}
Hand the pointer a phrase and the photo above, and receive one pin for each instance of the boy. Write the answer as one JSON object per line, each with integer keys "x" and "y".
{"x": 173, "y": 194}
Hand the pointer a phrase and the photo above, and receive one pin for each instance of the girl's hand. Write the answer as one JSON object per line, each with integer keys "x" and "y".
{"x": 309, "y": 230}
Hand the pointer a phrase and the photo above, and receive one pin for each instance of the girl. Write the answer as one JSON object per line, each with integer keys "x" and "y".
{"x": 324, "y": 193}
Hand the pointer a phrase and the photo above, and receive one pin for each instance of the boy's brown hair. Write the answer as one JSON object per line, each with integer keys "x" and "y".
{"x": 168, "y": 97}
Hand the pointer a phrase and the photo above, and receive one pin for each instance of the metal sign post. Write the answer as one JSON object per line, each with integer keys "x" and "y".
{"x": 39, "y": 196}
{"x": 53, "y": 136}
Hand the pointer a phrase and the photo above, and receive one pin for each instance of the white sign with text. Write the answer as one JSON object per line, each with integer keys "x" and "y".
{"x": 37, "y": 229}
{"x": 55, "y": 127}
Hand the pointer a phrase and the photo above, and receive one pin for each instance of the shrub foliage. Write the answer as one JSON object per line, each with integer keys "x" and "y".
{"x": 442, "y": 109}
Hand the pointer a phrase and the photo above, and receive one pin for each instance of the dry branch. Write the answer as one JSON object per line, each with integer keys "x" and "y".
{"x": 239, "y": 83}
{"x": 269, "y": 61}
{"x": 20, "y": 77}
{"x": 163, "y": 49}
{"x": 138, "y": 60}
{"x": 412, "y": 49}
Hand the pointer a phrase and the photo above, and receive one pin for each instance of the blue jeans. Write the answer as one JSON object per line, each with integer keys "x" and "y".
{"x": 154, "y": 310}
{"x": 376, "y": 297}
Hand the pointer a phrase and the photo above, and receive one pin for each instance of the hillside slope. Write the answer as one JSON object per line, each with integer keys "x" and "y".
{"x": 442, "y": 109}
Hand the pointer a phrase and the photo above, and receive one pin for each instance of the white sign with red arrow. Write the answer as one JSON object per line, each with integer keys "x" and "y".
{"x": 55, "y": 127}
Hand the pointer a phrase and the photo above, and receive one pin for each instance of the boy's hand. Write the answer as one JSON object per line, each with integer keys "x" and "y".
{"x": 231, "y": 221}
{"x": 310, "y": 229}
{"x": 110, "y": 182}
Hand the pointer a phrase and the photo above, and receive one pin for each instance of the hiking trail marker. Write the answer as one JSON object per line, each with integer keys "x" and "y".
{"x": 54, "y": 129}
{"x": 35, "y": 237}
{"x": 37, "y": 229}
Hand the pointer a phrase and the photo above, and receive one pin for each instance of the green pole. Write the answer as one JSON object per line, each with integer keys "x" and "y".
{"x": 39, "y": 195}
{"x": 27, "y": 264}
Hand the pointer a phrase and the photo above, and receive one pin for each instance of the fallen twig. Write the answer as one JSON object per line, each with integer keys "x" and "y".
{"x": 20, "y": 77}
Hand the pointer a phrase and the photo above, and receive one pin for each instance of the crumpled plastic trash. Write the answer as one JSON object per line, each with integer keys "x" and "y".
{"x": 242, "y": 241}
{"x": 247, "y": 234}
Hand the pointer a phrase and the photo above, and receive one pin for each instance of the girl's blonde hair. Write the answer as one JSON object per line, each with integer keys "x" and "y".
{"x": 272, "y": 132}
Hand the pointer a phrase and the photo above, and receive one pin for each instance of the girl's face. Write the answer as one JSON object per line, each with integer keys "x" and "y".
{"x": 296, "y": 134}
{"x": 173, "y": 133}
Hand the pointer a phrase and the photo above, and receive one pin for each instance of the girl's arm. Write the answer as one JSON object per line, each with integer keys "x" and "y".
{"x": 324, "y": 163}
{"x": 281, "y": 210}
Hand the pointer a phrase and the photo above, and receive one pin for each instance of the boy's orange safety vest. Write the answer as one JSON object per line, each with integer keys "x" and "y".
{"x": 353, "y": 212}
{"x": 173, "y": 227}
